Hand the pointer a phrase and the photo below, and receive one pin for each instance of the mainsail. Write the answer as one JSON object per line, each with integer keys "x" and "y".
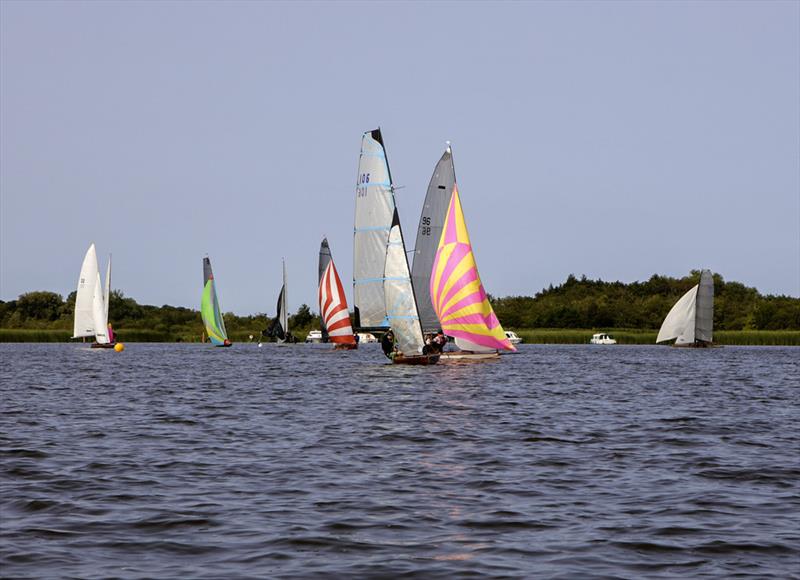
{"x": 401, "y": 305}
{"x": 704, "y": 319}
{"x": 90, "y": 307}
{"x": 332, "y": 301}
{"x": 691, "y": 319}
{"x": 209, "y": 308}
{"x": 324, "y": 259}
{"x": 431, "y": 221}
{"x": 84, "y": 324}
{"x": 375, "y": 208}
{"x": 458, "y": 296}
{"x": 282, "y": 330}
{"x": 107, "y": 291}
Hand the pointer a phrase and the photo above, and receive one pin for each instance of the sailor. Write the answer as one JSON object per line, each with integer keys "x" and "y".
{"x": 439, "y": 341}
{"x": 387, "y": 344}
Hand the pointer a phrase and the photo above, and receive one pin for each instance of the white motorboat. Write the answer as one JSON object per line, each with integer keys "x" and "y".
{"x": 512, "y": 337}
{"x": 314, "y": 336}
{"x": 602, "y": 338}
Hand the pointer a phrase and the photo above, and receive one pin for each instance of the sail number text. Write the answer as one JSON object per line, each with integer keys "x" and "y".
{"x": 425, "y": 226}
{"x": 361, "y": 185}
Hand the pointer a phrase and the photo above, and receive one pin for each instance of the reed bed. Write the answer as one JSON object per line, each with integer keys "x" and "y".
{"x": 635, "y": 336}
{"x": 529, "y": 335}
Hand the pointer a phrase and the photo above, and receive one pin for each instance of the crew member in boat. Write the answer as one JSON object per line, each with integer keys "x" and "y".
{"x": 438, "y": 342}
{"x": 387, "y": 344}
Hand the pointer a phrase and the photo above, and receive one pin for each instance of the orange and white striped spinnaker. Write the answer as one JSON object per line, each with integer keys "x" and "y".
{"x": 333, "y": 307}
{"x": 457, "y": 293}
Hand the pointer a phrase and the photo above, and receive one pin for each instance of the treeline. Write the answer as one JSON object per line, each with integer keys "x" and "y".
{"x": 575, "y": 304}
{"x": 48, "y": 311}
{"x": 585, "y": 303}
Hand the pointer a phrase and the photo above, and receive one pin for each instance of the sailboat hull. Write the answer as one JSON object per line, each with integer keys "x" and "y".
{"x": 466, "y": 356}
{"x": 423, "y": 359}
{"x": 698, "y": 344}
{"x": 104, "y": 345}
{"x": 345, "y": 346}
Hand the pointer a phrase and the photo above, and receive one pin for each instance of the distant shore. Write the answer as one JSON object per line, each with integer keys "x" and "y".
{"x": 529, "y": 335}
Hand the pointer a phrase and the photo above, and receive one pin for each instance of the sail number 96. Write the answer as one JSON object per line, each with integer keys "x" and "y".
{"x": 425, "y": 226}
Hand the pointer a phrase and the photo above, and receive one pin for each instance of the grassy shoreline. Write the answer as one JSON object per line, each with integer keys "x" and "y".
{"x": 530, "y": 336}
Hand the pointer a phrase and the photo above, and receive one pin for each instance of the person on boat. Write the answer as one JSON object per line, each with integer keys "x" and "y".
{"x": 387, "y": 343}
{"x": 438, "y": 342}
{"x": 110, "y": 333}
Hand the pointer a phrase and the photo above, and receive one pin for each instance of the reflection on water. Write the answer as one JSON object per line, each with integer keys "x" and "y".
{"x": 188, "y": 461}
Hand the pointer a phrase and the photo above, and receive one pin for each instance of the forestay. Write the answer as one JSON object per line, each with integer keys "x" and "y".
{"x": 375, "y": 207}
{"x": 429, "y": 233}
{"x": 458, "y": 296}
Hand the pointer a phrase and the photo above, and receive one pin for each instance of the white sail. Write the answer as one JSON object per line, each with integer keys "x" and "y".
{"x": 107, "y": 289}
{"x": 99, "y": 312}
{"x": 401, "y": 307}
{"x": 84, "y": 324}
{"x": 680, "y": 321}
{"x": 373, "y": 219}
{"x": 464, "y": 344}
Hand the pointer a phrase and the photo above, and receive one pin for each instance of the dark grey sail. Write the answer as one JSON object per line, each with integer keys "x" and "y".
{"x": 324, "y": 260}
{"x": 429, "y": 233}
{"x": 277, "y": 328}
{"x": 207, "y": 274}
{"x": 704, "y": 317}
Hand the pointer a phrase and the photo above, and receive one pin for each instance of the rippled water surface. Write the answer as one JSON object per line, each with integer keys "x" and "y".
{"x": 187, "y": 461}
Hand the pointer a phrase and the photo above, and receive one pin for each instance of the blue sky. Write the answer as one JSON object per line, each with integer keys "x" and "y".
{"x": 612, "y": 139}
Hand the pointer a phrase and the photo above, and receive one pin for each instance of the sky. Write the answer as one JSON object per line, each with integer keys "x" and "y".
{"x": 611, "y": 139}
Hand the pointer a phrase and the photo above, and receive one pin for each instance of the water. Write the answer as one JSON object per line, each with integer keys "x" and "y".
{"x": 178, "y": 461}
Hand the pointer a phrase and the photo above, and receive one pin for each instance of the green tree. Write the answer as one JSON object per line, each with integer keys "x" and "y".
{"x": 40, "y": 305}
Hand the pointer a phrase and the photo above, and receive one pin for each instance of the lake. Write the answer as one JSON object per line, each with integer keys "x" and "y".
{"x": 188, "y": 461}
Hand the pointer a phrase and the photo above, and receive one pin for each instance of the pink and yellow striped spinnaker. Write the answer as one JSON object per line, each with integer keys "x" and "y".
{"x": 457, "y": 293}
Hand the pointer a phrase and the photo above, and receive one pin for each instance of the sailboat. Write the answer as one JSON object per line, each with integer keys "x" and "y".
{"x": 383, "y": 294}
{"x": 691, "y": 319}
{"x": 449, "y": 274}
{"x": 210, "y": 310}
{"x": 91, "y": 302}
{"x": 280, "y": 326}
{"x": 333, "y": 303}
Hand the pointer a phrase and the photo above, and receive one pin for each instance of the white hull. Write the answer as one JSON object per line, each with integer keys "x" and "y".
{"x": 464, "y": 356}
